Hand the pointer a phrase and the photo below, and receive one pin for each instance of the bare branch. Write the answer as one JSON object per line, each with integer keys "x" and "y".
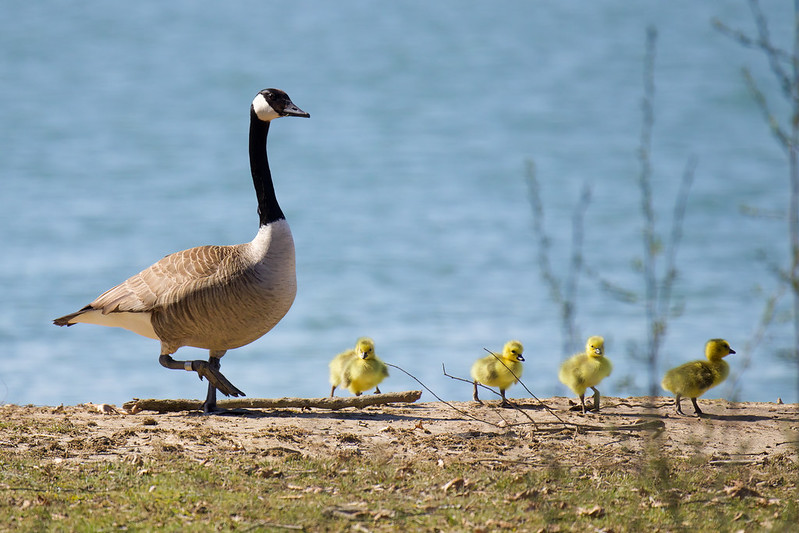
{"x": 776, "y": 56}
{"x": 760, "y": 99}
{"x": 171, "y": 406}
{"x": 676, "y": 235}
{"x": 543, "y": 240}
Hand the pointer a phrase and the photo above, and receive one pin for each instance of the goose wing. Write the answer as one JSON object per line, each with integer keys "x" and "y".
{"x": 167, "y": 281}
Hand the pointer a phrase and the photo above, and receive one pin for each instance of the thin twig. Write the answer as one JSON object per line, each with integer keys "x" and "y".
{"x": 651, "y": 245}
{"x": 437, "y": 397}
{"x": 760, "y": 100}
{"x": 545, "y": 406}
{"x": 444, "y": 369}
{"x": 676, "y": 235}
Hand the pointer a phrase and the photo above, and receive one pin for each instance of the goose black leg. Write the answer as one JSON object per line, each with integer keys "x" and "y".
{"x": 205, "y": 369}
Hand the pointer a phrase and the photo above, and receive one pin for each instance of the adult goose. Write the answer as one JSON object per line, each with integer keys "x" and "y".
{"x": 213, "y": 297}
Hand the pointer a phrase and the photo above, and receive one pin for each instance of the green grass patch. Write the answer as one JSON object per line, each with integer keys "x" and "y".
{"x": 240, "y": 491}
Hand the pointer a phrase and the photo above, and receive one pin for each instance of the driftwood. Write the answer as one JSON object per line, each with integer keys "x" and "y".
{"x": 171, "y": 406}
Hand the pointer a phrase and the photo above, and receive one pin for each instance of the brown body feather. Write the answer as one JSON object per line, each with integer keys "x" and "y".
{"x": 212, "y": 297}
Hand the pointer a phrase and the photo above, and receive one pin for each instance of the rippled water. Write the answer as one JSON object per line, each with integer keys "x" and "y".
{"x": 124, "y": 138}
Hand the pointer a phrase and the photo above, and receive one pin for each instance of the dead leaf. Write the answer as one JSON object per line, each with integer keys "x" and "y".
{"x": 492, "y": 524}
{"x": 594, "y": 512}
{"x": 107, "y": 409}
{"x": 267, "y": 473}
{"x": 102, "y": 408}
{"x": 419, "y": 425}
{"x": 738, "y": 490}
{"x": 456, "y": 484}
{"x": 529, "y": 494}
{"x": 352, "y": 511}
{"x": 383, "y": 514}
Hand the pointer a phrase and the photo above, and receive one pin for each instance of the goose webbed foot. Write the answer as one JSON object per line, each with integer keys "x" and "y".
{"x": 208, "y": 370}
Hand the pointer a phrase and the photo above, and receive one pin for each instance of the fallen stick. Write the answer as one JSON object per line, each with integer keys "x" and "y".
{"x": 172, "y": 406}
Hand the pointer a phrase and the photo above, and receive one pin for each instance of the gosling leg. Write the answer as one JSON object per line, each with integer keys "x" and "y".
{"x": 696, "y": 407}
{"x": 596, "y": 399}
{"x": 679, "y": 407}
{"x": 332, "y": 391}
{"x": 582, "y": 402}
{"x": 474, "y": 395}
{"x": 377, "y": 390}
{"x": 504, "y": 403}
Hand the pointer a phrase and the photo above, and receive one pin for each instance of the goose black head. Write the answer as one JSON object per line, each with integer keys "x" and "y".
{"x": 270, "y": 104}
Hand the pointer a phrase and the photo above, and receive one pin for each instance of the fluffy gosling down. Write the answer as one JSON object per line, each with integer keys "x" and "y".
{"x": 499, "y": 371}
{"x": 587, "y": 369}
{"x": 695, "y": 378}
{"x": 358, "y": 369}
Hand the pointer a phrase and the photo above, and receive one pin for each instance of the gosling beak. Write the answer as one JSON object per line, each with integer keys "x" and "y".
{"x": 293, "y": 111}
{"x": 520, "y": 358}
{"x": 364, "y": 355}
{"x": 732, "y": 351}
{"x": 598, "y": 351}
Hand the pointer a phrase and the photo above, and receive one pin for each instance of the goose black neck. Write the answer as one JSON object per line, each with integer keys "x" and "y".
{"x": 268, "y": 208}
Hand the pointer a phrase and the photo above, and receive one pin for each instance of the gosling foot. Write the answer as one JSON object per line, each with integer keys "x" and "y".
{"x": 697, "y": 410}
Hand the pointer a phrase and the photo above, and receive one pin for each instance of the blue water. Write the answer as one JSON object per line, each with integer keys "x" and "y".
{"x": 124, "y": 138}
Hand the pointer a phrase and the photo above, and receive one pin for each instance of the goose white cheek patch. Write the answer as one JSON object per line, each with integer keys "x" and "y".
{"x": 263, "y": 110}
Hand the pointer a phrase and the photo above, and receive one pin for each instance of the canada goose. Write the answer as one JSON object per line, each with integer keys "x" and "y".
{"x": 359, "y": 369}
{"x": 213, "y": 297}
{"x": 695, "y": 378}
{"x": 499, "y": 371}
{"x": 587, "y": 369}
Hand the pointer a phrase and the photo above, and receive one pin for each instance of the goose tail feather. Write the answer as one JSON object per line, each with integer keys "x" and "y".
{"x": 66, "y": 320}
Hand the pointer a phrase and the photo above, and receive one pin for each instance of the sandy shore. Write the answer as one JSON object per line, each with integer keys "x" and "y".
{"x": 530, "y": 434}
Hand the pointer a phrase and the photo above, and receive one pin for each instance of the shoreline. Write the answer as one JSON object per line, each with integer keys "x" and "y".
{"x": 625, "y": 427}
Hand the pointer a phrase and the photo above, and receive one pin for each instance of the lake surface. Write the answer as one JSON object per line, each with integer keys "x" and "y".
{"x": 124, "y": 138}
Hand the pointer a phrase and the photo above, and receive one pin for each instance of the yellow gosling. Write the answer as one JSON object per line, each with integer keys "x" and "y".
{"x": 340, "y": 361}
{"x": 358, "y": 369}
{"x": 587, "y": 369}
{"x": 499, "y": 371}
{"x": 693, "y": 379}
